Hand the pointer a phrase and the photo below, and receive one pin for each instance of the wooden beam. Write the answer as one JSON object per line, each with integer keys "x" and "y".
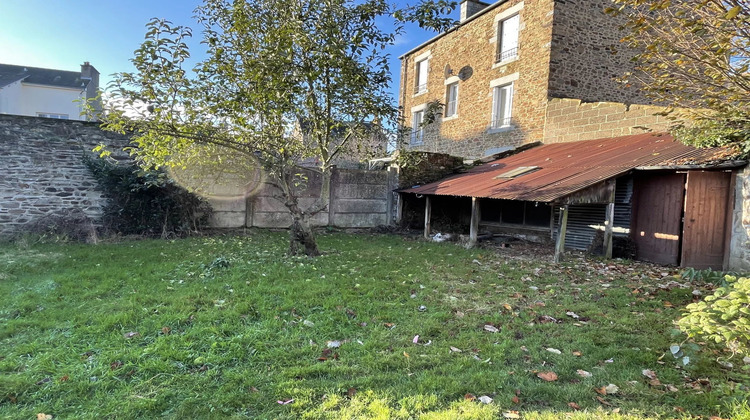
{"x": 560, "y": 245}
{"x": 474, "y": 227}
{"x": 610, "y": 222}
{"x": 427, "y": 216}
{"x": 609, "y": 219}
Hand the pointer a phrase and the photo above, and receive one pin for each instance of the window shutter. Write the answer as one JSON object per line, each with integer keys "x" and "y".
{"x": 509, "y": 36}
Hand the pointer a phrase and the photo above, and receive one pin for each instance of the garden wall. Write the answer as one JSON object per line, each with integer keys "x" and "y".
{"x": 358, "y": 199}
{"x": 42, "y": 171}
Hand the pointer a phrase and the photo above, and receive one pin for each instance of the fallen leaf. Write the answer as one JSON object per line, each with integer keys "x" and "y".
{"x": 351, "y": 391}
{"x": 485, "y": 399}
{"x": 64, "y": 378}
{"x": 612, "y": 389}
{"x": 515, "y": 399}
{"x": 577, "y": 353}
{"x": 406, "y": 355}
{"x": 253, "y": 389}
{"x": 470, "y": 397}
{"x": 547, "y": 376}
{"x": 389, "y": 325}
{"x": 42, "y": 416}
{"x": 572, "y": 314}
{"x": 650, "y": 374}
{"x": 668, "y": 304}
{"x": 285, "y": 402}
{"x": 511, "y": 415}
{"x": 602, "y": 390}
{"x": 456, "y": 350}
{"x": 350, "y": 313}
{"x": 574, "y": 406}
{"x": 671, "y": 388}
{"x": 491, "y": 328}
{"x": 654, "y": 382}
{"x": 114, "y": 365}
{"x": 166, "y": 330}
{"x": 131, "y": 334}
{"x": 552, "y": 350}
{"x": 322, "y": 359}
{"x": 603, "y": 401}
{"x": 679, "y": 409}
{"x": 308, "y": 323}
{"x": 583, "y": 374}
{"x": 508, "y": 307}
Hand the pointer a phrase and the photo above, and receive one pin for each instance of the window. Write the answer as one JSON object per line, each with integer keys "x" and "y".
{"x": 502, "y": 106}
{"x": 507, "y": 35}
{"x": 451, "y": 100}
{"x": 56, "y": 116}
{"x": 421, "y": 81}
{"x": 417, "y": 130}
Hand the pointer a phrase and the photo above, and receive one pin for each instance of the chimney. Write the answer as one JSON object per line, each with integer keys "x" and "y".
{"x": 469, "y": 8}
{"x": 89, "y": 72}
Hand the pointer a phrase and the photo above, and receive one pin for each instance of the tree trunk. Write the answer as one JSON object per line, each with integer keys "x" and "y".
{"x": 301, "y": 235}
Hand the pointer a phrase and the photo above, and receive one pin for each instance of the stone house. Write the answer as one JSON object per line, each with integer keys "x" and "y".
{"x": 48, "y": 93}
{"x": 517, "y": 72}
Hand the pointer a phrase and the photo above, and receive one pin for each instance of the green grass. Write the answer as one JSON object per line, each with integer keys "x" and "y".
{"x": 228, "y": 326}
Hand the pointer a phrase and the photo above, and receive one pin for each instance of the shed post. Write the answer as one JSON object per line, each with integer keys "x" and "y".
{"x": 474, "y": 227}
{"x": 610, "y": 221}
{"x": 560, "y": 245}
{"x": 427, "y": 216}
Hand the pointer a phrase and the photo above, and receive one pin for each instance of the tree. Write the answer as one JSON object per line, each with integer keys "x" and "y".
{"x": 694, "y": 54}
{"x": 270, "y": 67}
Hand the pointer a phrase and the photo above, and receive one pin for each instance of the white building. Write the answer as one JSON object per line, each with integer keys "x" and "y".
{"x": 49, "y": 93}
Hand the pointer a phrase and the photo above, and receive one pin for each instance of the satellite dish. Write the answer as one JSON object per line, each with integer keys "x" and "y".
{"x": 448, "y": 71}
{"x": 465, "y": 72}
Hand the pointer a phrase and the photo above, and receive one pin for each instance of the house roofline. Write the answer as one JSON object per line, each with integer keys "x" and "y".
{"x": 453, "y": 29}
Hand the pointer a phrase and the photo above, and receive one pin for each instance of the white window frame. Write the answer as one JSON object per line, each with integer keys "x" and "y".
{"x": 502, "y": 105}
{"x": 501, "y": 17}
{"x": 504, "y": 122}
{"x": 421, "y": 69}
{"x": 53, "y": 115}
{"x": 507, "y": 52}
{"x": 451, "y": 100}
{"x": 417, "y": 130}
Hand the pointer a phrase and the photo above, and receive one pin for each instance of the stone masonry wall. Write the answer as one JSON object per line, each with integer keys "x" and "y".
{"x": 587, "y": 56}
{"x": 570, "y": 120}
{"x": 42, "y": 168}
{"x": 359, "y": 199}
{"x": 474, "y": 44}
{"x": 739, "y": 247}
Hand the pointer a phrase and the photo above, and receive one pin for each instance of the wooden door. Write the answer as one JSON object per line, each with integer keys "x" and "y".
{"x": 657, "y": 217}
{"x": 705, "y": 227}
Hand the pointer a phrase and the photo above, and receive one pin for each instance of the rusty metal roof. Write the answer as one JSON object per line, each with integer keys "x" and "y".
{"x": 564, "y": 168}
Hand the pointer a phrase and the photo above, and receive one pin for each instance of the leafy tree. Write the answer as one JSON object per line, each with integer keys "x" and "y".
{"x": 270, "y": 65}
{"x": 694, "y": 54}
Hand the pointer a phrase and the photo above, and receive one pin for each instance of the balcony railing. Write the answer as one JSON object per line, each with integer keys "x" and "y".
{"x": 501, "y": 122}
{"x": 506, "y": 54}
{"x": 420, "y": 88}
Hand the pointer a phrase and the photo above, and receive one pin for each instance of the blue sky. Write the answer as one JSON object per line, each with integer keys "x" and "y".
{"x": 63, "y": 34}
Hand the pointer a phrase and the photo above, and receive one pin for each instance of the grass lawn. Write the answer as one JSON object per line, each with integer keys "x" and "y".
{"x": 229, "y": 327}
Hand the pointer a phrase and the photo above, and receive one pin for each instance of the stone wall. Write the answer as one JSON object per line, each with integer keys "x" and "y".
{"x": 571, "y": 120}
{"x": 587, "y": 56}
{"x": 358, "y": 199}
{"x": 739, "y": 247}
{"x": 472, "y": 47}
{"x": 43, "y": 171}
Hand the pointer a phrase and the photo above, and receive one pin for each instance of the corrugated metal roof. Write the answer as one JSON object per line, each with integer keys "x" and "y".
{"x": 565, "y": 168}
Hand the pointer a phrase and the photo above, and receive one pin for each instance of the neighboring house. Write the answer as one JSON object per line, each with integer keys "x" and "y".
{"x": 517, "y": 72}
{"x": 48, "y": 93}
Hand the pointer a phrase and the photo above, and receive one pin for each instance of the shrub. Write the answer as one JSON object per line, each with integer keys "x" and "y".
{"x": 723, "y": 317}
{"x": 146, "y": 202}
{"x": 62, "y": 226}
